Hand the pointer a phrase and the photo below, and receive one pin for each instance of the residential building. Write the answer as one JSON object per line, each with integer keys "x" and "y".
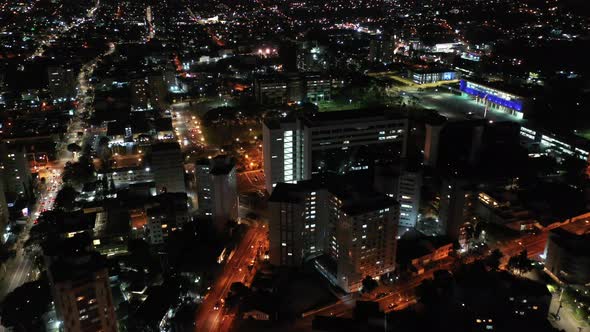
{"x": 15, "y": 170}
{"x": 401, "y": 181}
{"x": 297, "y": 226}
{"x": 347, "y": 227}
{"x": 457, "y": 202}
{"x": 139, "y": 94}
{"x": 167, "y": 213}
{"x": 62, "y": 83}
{"x": 4, "y": 213}
{"x": 382, "y": 49}
{"x": 217, "y": 189}
{"x": 79, "y": 282}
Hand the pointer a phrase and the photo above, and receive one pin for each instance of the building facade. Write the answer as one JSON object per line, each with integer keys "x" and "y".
{"x": 457, "y": 202}
{"x": 15, "y": 170}
{"x": 62, "y": 83}
{"x": 349, "y": 229}
{"x": 432, "y": 76}
{"x": 296, "y": 147}
{"x": 217, "y": 189}
{"x": 167, "y": 166}
{"x": 567, "y": 256}
{"x": 402, "y": 182}
{"x": 292, "y": 87}
{"x": 82, "y": 295}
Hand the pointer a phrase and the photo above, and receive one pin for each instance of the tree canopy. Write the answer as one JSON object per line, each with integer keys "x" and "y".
{"x": 520, "y": 263}
{"x": 369, "y": 284}
{"x": 23, "y": 309}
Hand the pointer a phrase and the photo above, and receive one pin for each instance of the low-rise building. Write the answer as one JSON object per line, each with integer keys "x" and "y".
{"x": 425, "y": 76}
{"x": 417, "y": 252}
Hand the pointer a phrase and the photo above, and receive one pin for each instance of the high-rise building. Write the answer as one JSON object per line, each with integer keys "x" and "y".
{"x": 79, "y": 282}
{"x": 4, "y": 213}
{"x": 168, "y": 213}
{"x": 62, "y": 83}
{"x": 567, "y": 256}
{"x": 401, "y": 181}
{"x": 457, "y": 199}
{"x": 300, "y": 145}
{"x": 204, "y": 186}
{"x": 217, "y": 190}
{"x": 15, "y": 170}
{"x": 167, "y": 166}
{"x": 382, "y": 49}
{"x": 157, "y": 89}
{"x": 170, "y": 78}
{"x": 298, "y": 217}
{"x": 347, "y": 227}
{"x": 139, "y": 93}
{"x": 433, "y": 127}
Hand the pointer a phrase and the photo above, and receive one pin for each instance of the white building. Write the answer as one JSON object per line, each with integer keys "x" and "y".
{"x": 296, "y": 147}
{"x": 344, "y": 224}
{"x": 217, "y": 189}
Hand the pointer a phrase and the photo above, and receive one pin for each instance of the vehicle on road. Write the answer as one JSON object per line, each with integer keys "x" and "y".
{"x": 381, "y": 295}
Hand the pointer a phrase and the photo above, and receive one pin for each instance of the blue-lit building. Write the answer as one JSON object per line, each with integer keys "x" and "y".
{"x": 495, "y": 99}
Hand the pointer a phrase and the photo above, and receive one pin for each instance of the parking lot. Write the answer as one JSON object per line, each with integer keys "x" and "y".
{"x": 456, "y": 107}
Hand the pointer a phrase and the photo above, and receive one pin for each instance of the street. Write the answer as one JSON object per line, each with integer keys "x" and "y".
{"x": 567, "y": 320}
{"x": 235, "y": 270}
{"x": 21, "y": 269}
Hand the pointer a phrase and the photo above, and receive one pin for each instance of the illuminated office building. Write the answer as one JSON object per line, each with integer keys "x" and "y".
{"x": 298, "y": 146}
{"x": 425, "y": 76}
{"x": 496, "y": 99}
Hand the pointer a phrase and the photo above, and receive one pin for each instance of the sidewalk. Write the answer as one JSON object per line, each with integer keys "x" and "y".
{"x": 567, "y": 322}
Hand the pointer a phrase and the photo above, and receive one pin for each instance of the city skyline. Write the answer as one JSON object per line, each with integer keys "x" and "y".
{"x": 309, "y": 165}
